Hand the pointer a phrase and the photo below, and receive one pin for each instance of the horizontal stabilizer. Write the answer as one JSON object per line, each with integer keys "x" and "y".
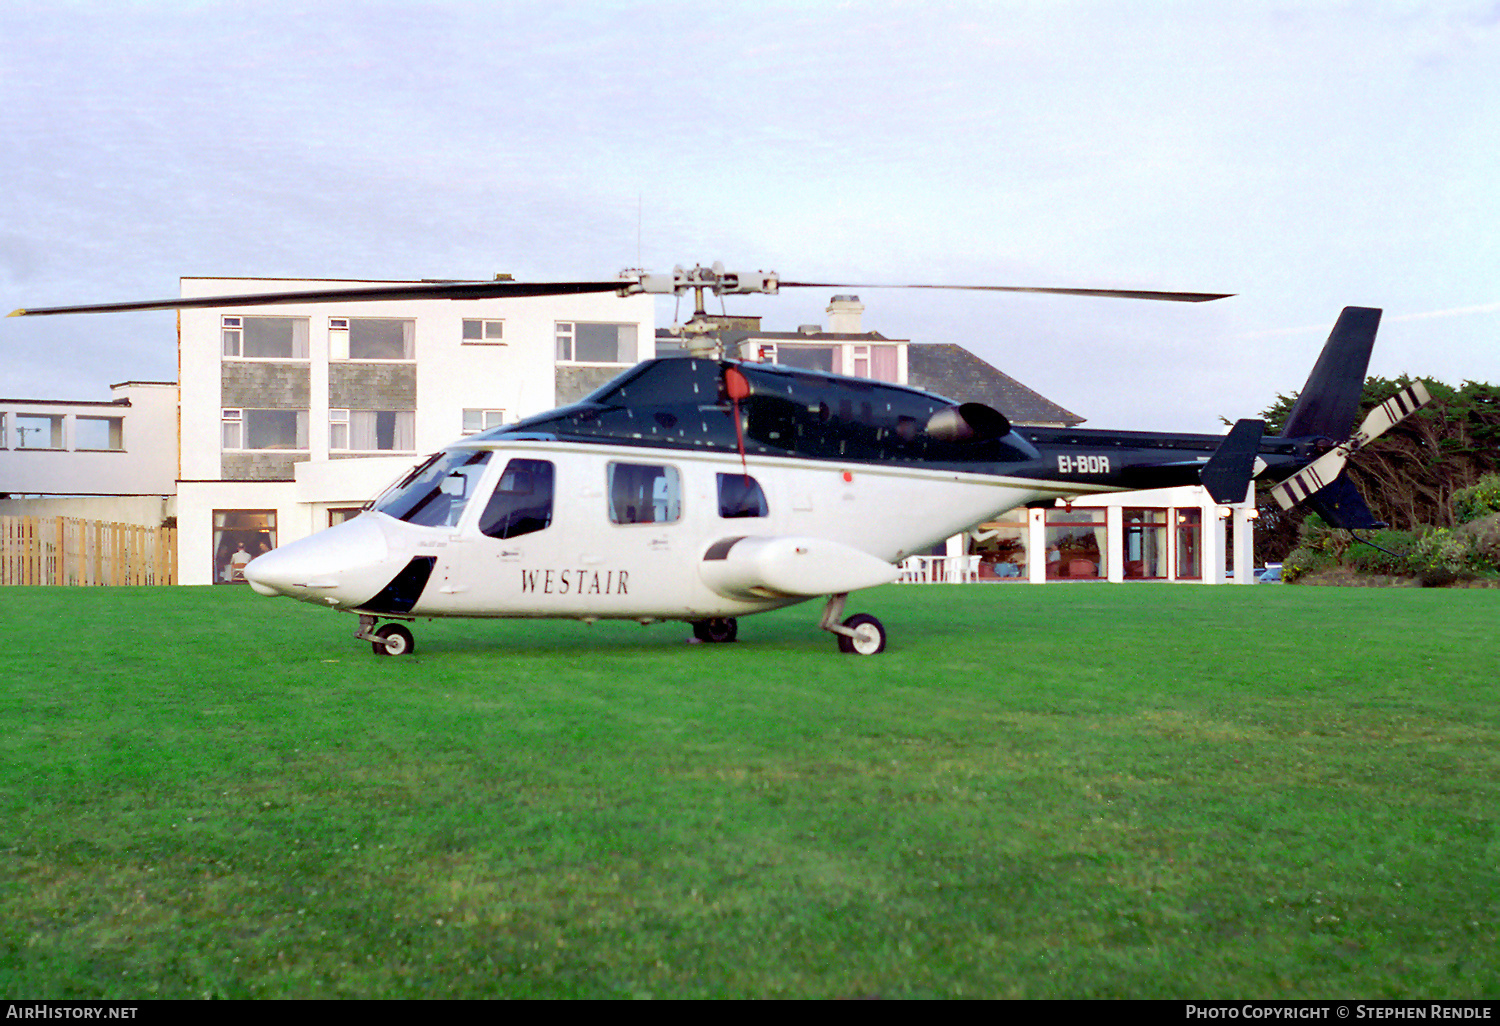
{"x": 1227, "y": 473}
{"x": 776, "y": 567}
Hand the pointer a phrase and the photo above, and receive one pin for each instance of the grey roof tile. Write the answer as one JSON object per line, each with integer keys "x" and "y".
{"x": 953, "y": 371}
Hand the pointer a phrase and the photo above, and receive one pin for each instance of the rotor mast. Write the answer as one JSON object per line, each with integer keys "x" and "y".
{"x": 701, "y": 334}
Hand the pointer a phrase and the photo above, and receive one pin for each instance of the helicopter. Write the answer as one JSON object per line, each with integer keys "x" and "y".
{"x": 704, "y": 488}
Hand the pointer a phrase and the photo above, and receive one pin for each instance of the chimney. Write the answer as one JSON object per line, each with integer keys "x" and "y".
{"x": 844, "y": 314}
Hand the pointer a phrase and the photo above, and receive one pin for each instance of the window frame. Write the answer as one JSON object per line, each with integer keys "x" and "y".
{"x": 237, "y": 416}
{"x": 750, "y": 488}
{"x": 341, "y": 418}
{"x": 342, "y": 350}
{"x": 570, "y": 328}
{"x": 674, "y": 501}
{"x": 56, "y": 432}
{"x": 115, "y": 432}
{"x": 238, "y": 327}
{"x": 485, "y": 338}
{"x": 223, "y": 573}
{"x": 484, "y": 417}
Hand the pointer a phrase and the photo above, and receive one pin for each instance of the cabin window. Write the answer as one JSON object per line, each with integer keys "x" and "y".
{"x": 481, "y": 333}
{"x": 436, "y": 491}
{"x": 644, "y": 494}
{"x": 581, "y": 342}
{"x": 740, "y": 496}
{"x": 264, "y": 338}
{"x": 107, "y": 433}
{"x": 239, "y": 536}
{"x": 264, "y": 429}
{"x": 1076, "y": 544}
{"x": 372, "y": 430}
{"x": 476, "y": 421}
{"x": 522, "y": 503}
{"x": 371, "y": 338}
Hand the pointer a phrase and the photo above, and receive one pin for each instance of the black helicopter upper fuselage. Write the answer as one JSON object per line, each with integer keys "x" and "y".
{"x": 683, "y": 403}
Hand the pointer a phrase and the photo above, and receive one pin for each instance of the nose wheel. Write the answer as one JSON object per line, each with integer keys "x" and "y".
{"x": 387, "y": 640}
{"x": 861, "y": 634}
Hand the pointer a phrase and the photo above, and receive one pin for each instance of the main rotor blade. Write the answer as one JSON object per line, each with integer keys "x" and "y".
{"x": 415, "y": 290}
{"x": 1174, "y": 297}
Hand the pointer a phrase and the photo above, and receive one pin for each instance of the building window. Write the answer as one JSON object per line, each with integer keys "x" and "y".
{"x": 740, "y": 496}
{"x": 104, "y": 433}
{"x": 239, "y": 536}
{"x": 1001, "y": 546}
{"x": 264, "y": 338}
{"x": 642, "y": 494}
{"x": 1075, "y": 544}
{"x": 264, "y": 429}
{"x": 372, "y": 430}
{"x": 371, "y": 338}
{"x": 4, "y": 438}
{"x": 580, "y": 342}
{"x": 1189, "y": 544}
{"x": 814, "y": 358}
{"x": 340, "y": 514}
{"x": 39, "y": 431}
{"x": 476, "y": 421}
{"x": 484, "y": 333}
{"x": 522, "y": 503}
{"x": 1145, "y": 544}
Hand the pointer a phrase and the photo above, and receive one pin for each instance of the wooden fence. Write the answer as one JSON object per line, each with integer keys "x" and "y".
{"x": 65, "y": 550}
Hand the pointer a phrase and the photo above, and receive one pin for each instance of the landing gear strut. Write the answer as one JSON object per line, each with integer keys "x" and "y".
{"x": 861, "y": 634}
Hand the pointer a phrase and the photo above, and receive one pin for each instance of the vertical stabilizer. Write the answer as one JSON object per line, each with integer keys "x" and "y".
{"x": 1327, "y": 404}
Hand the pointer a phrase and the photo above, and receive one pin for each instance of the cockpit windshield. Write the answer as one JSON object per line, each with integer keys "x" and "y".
{"x": 435, "y": 493}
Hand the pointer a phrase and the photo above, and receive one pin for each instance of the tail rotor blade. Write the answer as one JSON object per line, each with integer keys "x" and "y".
{"x": 1390, "y": 413}
{"x": 1311, "y": 479}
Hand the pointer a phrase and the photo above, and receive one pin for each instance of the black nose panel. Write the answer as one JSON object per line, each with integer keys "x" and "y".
{"x": 405, "y": 588}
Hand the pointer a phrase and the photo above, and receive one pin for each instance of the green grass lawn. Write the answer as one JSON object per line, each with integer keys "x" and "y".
{"x": 1040, "y": 792}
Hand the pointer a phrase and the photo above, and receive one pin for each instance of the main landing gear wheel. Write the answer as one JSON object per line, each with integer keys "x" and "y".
{"x": 716, "y": 630}
{"x": 394, "y": 640}
{"x": 868, "y": 637}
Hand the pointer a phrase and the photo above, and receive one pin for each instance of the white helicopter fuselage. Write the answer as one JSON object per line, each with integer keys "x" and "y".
{"x": 632, "y": 533}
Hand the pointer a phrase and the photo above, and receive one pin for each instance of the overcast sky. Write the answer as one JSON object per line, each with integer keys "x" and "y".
{"x": 1302, "y": 155}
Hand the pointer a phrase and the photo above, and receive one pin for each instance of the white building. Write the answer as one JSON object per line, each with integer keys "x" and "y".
{"x": 295, "y": 415}
{"x": 114, "y": 460}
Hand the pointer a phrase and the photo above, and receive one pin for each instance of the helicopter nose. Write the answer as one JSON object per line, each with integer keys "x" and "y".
{"x": 332, "y": 566}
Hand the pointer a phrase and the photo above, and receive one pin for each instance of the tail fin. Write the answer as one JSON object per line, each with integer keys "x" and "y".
{"x": 1228, "y": 472}
{"x": 1329, "y": 401}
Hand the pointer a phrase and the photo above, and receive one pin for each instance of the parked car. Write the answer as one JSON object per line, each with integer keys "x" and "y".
{"x": 1269, "y": 574}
